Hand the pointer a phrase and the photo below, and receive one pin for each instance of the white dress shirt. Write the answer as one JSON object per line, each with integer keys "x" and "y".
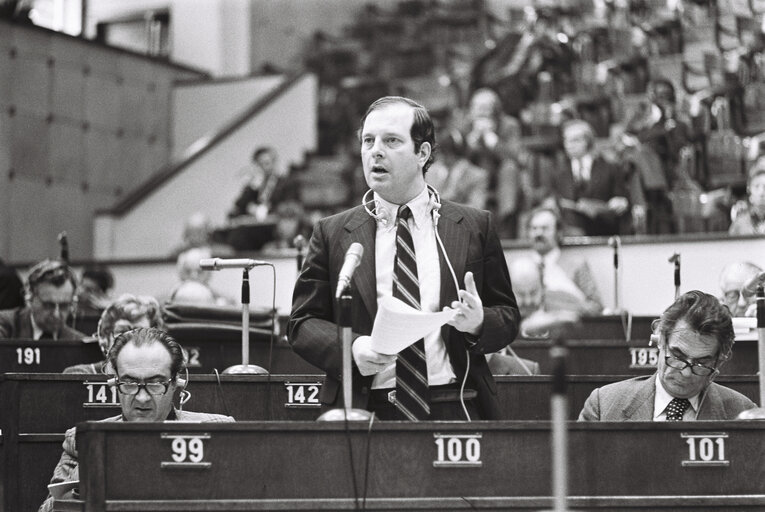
{"x": 662, "y": 400}
{"x": 555, "y": 278}
{"x": 429, "y": 274}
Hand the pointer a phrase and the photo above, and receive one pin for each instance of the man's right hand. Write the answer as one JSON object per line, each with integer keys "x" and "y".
{"x": 368, "y": 360}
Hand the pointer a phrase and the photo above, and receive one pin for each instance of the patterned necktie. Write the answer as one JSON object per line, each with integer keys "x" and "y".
{"x": 412, "y": 392}
{"x": 676, "y": 409}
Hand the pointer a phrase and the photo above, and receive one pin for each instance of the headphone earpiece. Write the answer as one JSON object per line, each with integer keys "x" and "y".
{"x": 180, "y": 382}
{"x": 653, "y": 340}
{"x": 112, "y": 382}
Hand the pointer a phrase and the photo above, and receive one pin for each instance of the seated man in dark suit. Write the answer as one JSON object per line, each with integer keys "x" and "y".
{"x": 50, "y": 295}
{"x": 695, "y": 337}
{"x": 125, "y": 313}
{"x": 147, "y": 366}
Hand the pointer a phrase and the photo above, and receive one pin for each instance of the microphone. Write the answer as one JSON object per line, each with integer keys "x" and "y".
{"x": 352, "y": 260}
{"x": 220, "y": 264}
{"x": 750, "y": 287}
{"x": 299, "y": 243}
{"x": 615, "y": 242}
{"x": 64, "y": 244}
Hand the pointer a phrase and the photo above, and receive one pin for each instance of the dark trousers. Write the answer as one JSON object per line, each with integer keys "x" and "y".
{"x": 445, "y": 404}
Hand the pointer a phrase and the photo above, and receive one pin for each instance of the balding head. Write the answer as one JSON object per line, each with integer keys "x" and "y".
{"x": 732, "y": 278}
{"x": 527, "y": 285}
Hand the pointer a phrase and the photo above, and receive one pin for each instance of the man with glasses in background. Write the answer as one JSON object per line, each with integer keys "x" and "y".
{"x": 50, "y": 296}
{"x": 148, "y": 367}
{"x": 695, "y": 337}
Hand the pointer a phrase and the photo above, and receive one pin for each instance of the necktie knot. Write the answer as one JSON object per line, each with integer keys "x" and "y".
{"x": 404, "y": 212}
{"x": 676, "y": 409}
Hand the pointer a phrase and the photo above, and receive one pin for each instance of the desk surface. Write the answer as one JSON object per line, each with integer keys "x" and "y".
{"x": 430, "y": 466}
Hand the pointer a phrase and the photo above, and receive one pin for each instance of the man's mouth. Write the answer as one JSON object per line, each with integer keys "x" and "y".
{"x": 379, "y": 169}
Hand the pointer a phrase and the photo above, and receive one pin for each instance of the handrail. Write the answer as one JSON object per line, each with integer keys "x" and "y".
{"x": 197, "y": 150}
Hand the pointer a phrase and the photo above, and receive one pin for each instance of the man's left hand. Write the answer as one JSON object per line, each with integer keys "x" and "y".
{"x": 469, "y": 317}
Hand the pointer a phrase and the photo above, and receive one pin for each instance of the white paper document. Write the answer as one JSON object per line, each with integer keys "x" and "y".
{"x": 398, "y": 325}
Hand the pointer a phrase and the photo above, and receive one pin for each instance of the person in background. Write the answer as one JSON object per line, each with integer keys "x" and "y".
{"x": 268, "y": 185}
{"x": 11, "y": 288}
{"x": 749, "y": 217}
{"x": 198, "y": 232}
{"x": 398, "y": 227}
{"x": 50, "y": 295}
{"x": 194, "y": 286}
{"x": 125, "y": 313}
{"x": 148, "y": 367}
{"x": 561, "y": 273}
{"x": 95, "y": 286}
{"x": 590, "y": 190}
{"x": 455, "y": 177}
{"x": 733, "y": 277}
{"x": 695, "y": 338}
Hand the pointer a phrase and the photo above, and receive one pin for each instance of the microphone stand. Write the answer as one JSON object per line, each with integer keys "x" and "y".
{"x": 299, "y": 243}
{"x": 761, "y": 340}
{"x": 616, "y": 243}
{"x": 245, "y": 367}
{"x": 675, "y": 258}
{"x": 347, "y": 412}
{"x": 559, "y": 416}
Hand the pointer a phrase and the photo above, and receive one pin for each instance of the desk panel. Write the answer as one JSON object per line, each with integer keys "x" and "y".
{"x": 426, "y": 466}
{"x": 45, "y": 405}
{"x": 45, "y": 355}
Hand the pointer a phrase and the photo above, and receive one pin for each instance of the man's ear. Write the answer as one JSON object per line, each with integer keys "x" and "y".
{"x": 425, "y": 150}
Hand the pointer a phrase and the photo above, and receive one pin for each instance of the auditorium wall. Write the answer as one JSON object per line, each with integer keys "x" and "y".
{"x": 209, "y": 182}
{"x": 81, "y": 125}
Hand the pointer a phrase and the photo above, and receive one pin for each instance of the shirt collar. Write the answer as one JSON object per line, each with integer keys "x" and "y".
{"x": 551, "y": 258}
{"x": 663, "y": 398}
{"x": 37, "y": 332}
{"x": 420, "y": 207}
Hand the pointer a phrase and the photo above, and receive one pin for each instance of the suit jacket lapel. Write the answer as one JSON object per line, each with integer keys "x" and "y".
{"x": 712, "y": 407}
{"x": 456, "y": 239}
{"x": 640, "y": 407}
{"x": 361, "y": 227}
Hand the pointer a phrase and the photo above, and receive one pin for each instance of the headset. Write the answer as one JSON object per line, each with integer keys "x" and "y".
{"x": 385, "y": 218}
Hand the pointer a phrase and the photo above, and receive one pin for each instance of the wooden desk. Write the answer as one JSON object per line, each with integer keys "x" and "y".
{"x": 45, "y": 355}
{"x": 61, "y": 401}
{"x": 617, "y": 357}
{"x": 423, "y": 466}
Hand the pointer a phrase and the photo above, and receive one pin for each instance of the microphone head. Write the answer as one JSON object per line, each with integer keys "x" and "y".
{"x": 209, "y": 264}
{"x": 675, "y": 258}
{"x": 356, "y": 250}
{"x": 299, "y": 242}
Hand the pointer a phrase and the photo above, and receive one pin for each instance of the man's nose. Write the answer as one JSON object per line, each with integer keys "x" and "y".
{"x": 686, "y": 371}
{"x": 143, "y": 395}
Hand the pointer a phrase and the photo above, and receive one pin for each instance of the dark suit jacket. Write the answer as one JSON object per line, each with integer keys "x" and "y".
{"x": 472, "y": 245}
{"x": 632, "y": 400}
{"x": 17, "y": 324}
{"x": 606, "y": 181}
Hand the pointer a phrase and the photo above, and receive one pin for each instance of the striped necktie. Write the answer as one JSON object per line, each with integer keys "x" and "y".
{"x": 412, "y": 392}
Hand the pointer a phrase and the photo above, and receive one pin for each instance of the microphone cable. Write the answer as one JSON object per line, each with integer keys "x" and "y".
{"x": 366, "y": 462}
{"x": 350, "y": 457}
{"x": 271, "y": 342}
{"x": 219, "y": 387}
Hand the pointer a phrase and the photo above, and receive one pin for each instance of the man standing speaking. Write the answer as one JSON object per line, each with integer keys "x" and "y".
{"x": 429, "y": 253}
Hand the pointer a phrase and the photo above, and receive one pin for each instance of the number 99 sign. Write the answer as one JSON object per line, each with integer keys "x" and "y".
{"x": 187, "y": 451}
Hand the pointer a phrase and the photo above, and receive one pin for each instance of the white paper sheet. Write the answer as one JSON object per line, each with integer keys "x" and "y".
{"x": 398, "y": 325}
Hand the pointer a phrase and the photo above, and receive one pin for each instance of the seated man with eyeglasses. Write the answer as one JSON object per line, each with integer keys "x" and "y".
{"x": 126, "y": 312}
{"x": 148, "y": 365}
{"x": 50, "y": 295}
{"x": 695, "y": 337}
{"x": 733, "y": 277}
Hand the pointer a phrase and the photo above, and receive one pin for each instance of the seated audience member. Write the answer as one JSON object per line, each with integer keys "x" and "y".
{"x": 732, "y": 279}
{"x": 530, "y": 292}
{"x": 194, "y": 282}
{"x": 127, "y": 312}
{"x": 561, "y": 273}
{"x": 289, "y": 224}
{"x": 93, "y": 293}
{"x": 591, "y": 190}
{"x": 11, "y": 288}
{"x": 749, "y": 218}
{"x": 268, "y": 185}
{"x": 198, "y": 232}
{"x": 455, "y": 177}
{"x": 50, "y": 295}
{"x": 695, "y": 338}
{"x": 148, "y": 365}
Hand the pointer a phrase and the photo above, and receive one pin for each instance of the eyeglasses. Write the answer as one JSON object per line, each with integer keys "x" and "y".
{"x": 732, "y": 296}
{"x": 153, "y": 388}
{"x": 682, "y": 364}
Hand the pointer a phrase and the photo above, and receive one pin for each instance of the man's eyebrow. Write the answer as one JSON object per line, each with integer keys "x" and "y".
{"x": 682, "y": 354}
{"x": 152, "y": 377}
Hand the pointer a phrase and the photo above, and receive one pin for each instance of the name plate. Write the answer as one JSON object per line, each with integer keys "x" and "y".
{"x": 100, "y": 395}
{"x": 458, "y": 450}
{"x": 302, "y": 395}
{"x": 644, "y": 357}
{"x": 705, "y": 450}
{"x": 188, "y": 451}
